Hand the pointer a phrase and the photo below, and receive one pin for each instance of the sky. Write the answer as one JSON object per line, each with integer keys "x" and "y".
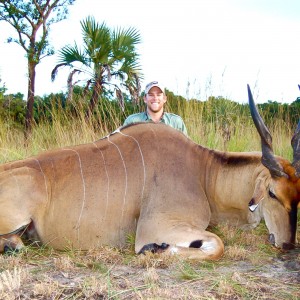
{"x": 196, "y": 48}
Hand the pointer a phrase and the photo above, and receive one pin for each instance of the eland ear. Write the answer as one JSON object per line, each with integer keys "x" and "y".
{"x": 258, "y": 194}
{"x": 252, "y": 207}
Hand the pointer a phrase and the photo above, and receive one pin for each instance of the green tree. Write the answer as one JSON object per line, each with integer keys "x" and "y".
{"x": 31, "y": 19}
{"x": 12, "y": 109}
{"x": 109, "y": 59}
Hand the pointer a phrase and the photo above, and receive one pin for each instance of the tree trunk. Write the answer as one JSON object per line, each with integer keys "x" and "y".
{"x": 94, "y": 100}
{"x": 30, "y": 101}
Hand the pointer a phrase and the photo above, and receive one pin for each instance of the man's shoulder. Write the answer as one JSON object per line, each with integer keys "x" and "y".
{"x": 175, "y": 121}
{"x": 172, "y": 116}
{"x": 136, "y": 115}
{"x": 135, "y": 118}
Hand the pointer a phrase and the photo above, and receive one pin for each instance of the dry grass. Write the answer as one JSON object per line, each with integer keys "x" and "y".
{"x": 250, "y": 269}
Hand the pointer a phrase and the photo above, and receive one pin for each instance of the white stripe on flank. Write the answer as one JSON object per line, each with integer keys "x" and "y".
{"x": 143, "y": 162}
{"x": 48, "y": 200}
{"x": 116, "y": 131}
{"x": 107, "y": 192}
{"x": 14, "y": 177}
{"x": 107, "y": 136}
{"x": 84, "y": 192}
{"x": 53, "y": 171}
{"x": 126, "y": 178}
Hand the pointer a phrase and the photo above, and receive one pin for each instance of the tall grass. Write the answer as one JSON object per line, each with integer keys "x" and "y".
{"x": 216, "y": 123}
{"x": 225, "y": 125}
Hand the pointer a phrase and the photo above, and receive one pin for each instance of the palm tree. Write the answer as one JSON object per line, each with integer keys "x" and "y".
{"x": 109, "y": 59}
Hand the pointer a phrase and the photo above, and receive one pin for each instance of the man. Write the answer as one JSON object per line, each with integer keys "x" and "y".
{"x": 155, "y": 98}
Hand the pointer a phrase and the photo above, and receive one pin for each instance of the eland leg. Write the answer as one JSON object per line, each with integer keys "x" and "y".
{"x": 187, "y": 242}
{"x": 205, "y": 246}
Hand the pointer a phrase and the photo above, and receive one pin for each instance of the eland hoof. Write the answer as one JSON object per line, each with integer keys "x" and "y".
{"x": 154, "y": 248}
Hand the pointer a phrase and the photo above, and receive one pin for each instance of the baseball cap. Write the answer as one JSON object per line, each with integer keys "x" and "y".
{"x": 150, "y": 85}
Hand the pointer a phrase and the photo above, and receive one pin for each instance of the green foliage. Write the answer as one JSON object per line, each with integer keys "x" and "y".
{"x": 217, "y": 123}
{"x": 32, "y": 20}
{"x": 44, "y": 107}
{"x": 12, "y": 109}
{"x": 108, "y": 58}
{"x": 288, "y": 113}
{"x": 26, "y": 17}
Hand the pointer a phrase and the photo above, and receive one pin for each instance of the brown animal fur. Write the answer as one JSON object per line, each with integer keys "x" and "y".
{"x": 145, "y": 178}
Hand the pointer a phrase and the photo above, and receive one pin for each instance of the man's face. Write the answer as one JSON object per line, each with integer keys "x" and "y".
{"x": 155, "y": 99}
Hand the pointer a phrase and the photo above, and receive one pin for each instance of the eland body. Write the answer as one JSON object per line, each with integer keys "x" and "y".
{"x": 152, "y": 180}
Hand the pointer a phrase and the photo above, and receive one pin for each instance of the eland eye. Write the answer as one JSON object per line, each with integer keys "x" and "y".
{"x": 272, "y": 195}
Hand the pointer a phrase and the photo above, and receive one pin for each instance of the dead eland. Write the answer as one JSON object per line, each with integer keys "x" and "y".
{"x": 95, "y": 194}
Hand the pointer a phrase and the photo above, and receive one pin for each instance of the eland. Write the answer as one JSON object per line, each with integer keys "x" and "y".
{"x": 151, "y": 180}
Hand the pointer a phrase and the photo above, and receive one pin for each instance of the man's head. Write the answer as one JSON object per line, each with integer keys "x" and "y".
{"x": 155, "y": 97}
{"x": 152, "y": 84}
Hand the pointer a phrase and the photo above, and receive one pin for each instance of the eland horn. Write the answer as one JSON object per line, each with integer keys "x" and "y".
{"x": 268, "y": 159}
{"x": 296, "y": 149}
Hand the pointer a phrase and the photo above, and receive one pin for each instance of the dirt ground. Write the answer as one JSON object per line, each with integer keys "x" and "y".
{"x": 113, "y": 274}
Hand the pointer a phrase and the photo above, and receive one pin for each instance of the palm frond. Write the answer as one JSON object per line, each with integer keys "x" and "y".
{"x": 131, "y": 66}
{"x": 97, "y": 40}
{"x": 124, "y": 41}
{"x": 130, "y": 36}
{"x": 55, "y": 70}
{"x": 70, "y": 54}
